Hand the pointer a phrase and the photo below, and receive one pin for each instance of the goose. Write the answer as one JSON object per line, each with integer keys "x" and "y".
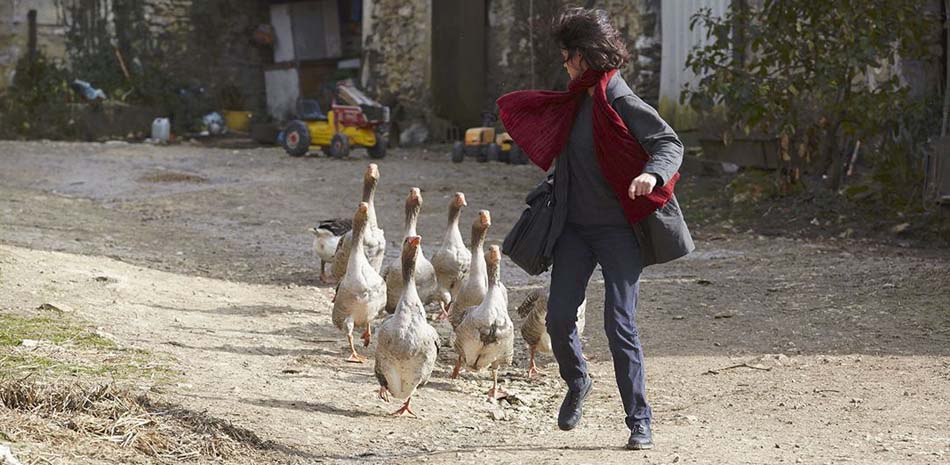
{"x": 327, "y": 236}
{"x": 534, "y": 311}
{"x": 407, "y": 345}
{"x": 475, "y": 285}
{"x": 452, "y": 260}
{"x": 485, "y": 337}
{"x": 374, "y": 241}
{"x": 361, "y": 294}
{"x": 424, "y": 272}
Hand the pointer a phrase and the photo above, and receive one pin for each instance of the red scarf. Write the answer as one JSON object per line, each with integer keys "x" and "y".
{"x": 540, "y": 122}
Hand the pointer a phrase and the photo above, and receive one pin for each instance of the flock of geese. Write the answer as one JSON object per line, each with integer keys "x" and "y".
{"x": 464, "y": 280}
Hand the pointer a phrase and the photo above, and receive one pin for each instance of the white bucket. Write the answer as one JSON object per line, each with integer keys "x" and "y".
{"x": 161, "y": 130}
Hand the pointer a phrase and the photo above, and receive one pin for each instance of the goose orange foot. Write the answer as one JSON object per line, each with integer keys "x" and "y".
{"x": 444, "y": 314}
{"x": 496, "y": 393}
{"x": 356, "y": 358}
{"x": 532, "y": 366}
{"x": 405, "y": 410}
{"x": 533, "y": 372}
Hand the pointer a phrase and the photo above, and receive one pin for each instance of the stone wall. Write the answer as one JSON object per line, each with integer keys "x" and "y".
{"x": 397, "y": 50}
{"x": 510, "y": 51}
{"x": 207, "y": 41}
{"x": 164, "y": 16}
{"x": 221, "y": 50}
{"x": 397, "y": 56}
{"x": 13, "y": 33}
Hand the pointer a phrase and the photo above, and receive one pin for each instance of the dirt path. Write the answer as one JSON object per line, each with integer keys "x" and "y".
{"x": 849, "y": 342}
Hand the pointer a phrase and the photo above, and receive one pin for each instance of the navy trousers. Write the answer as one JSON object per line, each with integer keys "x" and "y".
{"x": 576, "y": 253}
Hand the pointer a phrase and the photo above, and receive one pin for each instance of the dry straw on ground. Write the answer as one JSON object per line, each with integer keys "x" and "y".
{"x": 104, "y": 412}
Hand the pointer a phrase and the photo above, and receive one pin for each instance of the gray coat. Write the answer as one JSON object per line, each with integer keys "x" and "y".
{"x": 663, "y": 236}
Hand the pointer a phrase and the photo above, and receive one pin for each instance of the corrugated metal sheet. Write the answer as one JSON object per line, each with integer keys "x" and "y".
{"x": 678, "y": 40}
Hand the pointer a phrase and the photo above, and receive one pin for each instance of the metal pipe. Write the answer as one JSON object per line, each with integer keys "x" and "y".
{"x": 31, "y": 37}
{"x": 531, "y": 38}
{"x": 946, "y": 87}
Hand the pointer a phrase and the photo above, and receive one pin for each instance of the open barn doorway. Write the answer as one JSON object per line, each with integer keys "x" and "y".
{"x": 459, "y": 60}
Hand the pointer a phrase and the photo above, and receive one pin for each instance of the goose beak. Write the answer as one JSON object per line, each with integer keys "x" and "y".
{"x": 415, "y": 196}
{"x": 484, "y": 217}
{"x": 494, "y": 254}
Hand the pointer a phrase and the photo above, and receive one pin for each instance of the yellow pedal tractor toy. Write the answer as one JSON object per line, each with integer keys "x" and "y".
{"x": 357, "y": 121}
{"x": 508, "y": 151}
{"x": 485, "y": 144}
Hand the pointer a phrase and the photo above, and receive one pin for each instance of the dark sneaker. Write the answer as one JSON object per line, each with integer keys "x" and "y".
{"x": 641, "y": 438}
{"x": 572, "y": 409}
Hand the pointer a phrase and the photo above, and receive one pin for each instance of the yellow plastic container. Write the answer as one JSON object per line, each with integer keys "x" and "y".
{"x": 238, "y": 121}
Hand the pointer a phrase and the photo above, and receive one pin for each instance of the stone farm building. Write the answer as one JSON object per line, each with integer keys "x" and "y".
{"x": 440, "y": 63}
{"x": 437, "y": 62}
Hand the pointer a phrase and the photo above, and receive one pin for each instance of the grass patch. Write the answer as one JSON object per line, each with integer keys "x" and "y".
{"x": 119, "y": 366}
{"x": 65, "y": 348}
{"x": 22, "y": 363}
{"x": 60, "y": 331}
{"x": 172, "y": 177}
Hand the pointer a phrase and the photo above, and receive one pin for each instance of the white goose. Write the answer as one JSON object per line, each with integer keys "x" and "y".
{"x": 326, "y": 238}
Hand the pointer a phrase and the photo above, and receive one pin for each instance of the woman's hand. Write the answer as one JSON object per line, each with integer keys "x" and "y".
{"x": 641, "y": 185}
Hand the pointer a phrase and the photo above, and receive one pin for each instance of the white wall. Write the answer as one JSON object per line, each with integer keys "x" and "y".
{"x": 677, "y": 41}
{"x": 283, "y": 32}
{"x": 283, "y": 88}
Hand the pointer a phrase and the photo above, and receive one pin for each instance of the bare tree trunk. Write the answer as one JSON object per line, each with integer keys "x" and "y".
{"x": 839, "y": 155}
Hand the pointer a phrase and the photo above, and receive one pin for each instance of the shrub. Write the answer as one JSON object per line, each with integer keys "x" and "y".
{"x": 814, "y": 74}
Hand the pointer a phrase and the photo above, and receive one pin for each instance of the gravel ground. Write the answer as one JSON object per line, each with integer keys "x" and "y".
{"x": 759, "y": 349}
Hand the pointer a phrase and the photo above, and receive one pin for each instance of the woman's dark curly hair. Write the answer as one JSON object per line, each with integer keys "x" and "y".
{"x": 589, "y": 32}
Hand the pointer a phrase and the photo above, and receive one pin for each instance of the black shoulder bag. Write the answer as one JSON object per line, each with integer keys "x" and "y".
{"x": 527, "y": 242}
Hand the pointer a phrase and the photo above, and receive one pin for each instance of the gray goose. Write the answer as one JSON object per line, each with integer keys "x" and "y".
{"x": 534, "y": 311}
{"x": 361, "y": 294}
{"x": 407, "y": 345}
{"x": 452, "y": 260}
{"x": 475, "y": 286}
{"x": 425, "y": 273}
{"x": 374, "y": 241}
{"x": 486, "y": 336}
